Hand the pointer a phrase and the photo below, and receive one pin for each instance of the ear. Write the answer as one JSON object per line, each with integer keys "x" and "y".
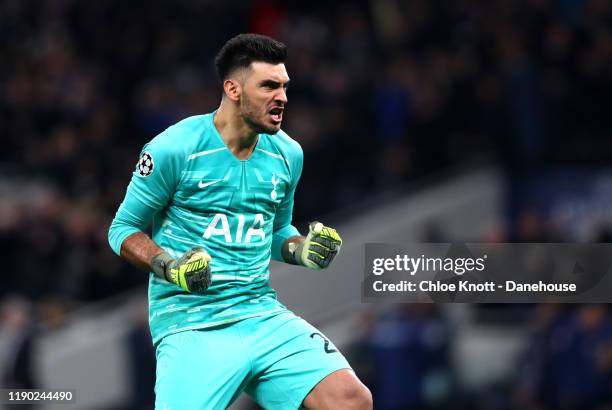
{"x": 232, "y": 89}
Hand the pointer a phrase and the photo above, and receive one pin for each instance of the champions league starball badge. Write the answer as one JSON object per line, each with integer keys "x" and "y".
{"x": 145, "y": 164}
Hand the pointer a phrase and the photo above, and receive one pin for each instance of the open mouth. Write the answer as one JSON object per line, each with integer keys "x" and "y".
{"x": 276, "y": 114}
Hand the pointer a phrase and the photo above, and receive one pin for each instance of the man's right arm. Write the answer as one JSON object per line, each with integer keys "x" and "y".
{"x": 126, "y": 234}
{"x": 191, "y": 272}
{"x": 150, "y": 190}
{"x": 139, "y": 250}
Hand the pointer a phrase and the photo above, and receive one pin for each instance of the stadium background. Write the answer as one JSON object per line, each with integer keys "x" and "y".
{"x": 389, "y": 99}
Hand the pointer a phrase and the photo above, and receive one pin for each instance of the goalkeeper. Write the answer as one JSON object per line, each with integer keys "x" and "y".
{"x": 218, "y": 191}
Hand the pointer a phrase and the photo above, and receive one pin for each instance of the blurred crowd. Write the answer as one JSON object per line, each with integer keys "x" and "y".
{"x": 405, "y": 355}
{"x": 382, "y": 92}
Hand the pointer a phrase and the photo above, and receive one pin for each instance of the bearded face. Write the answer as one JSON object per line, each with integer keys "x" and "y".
{"x": 263, "y": 97}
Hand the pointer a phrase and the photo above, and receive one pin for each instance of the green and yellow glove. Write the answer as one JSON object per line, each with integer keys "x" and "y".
{"x": 319, "y": 249}
{"x": 191, "y": 271}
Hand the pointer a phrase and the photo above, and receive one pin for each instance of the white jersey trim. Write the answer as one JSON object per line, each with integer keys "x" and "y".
{"x": 202, "y": 153}
{"x": 184, "y": 240}
{"x": 221, "y": 322}
{"x": 277, "y": 156}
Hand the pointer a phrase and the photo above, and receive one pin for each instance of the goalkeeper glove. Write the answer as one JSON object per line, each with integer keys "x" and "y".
{"x": 319, "y": 249}
{"x": 191, "y": 272}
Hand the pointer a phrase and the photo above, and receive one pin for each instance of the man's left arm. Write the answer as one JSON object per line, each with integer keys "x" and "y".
{"x": 316, "y": 250}
{"x": 283, "y": 232}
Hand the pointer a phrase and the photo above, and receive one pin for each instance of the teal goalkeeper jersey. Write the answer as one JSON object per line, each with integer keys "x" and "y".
{"x": 195, "y": 192}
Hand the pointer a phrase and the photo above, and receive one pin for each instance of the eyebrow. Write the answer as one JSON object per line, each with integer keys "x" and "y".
{"x": 273, "y": 84}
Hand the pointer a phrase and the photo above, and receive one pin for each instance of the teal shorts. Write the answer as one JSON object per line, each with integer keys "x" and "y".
{"x": 277, "y": 360}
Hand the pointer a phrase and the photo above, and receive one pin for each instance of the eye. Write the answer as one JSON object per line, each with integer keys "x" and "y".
{"x": 270, "y": 85}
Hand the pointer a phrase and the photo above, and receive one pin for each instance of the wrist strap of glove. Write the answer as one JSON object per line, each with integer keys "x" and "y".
{"x": 292, "y": 247}
{"x": 160, "y": 265}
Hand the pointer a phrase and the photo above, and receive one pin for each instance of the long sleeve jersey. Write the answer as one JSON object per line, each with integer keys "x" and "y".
{"x": 193, "y": 190}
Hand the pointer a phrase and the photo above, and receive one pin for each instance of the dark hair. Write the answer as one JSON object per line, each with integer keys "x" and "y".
{"x": 242, "y": 50}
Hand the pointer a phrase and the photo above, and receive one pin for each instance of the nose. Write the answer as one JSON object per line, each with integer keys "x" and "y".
{"x": 281, "y": 96}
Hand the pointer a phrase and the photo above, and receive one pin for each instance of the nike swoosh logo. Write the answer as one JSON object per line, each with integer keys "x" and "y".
{"x": 203, "y": 184}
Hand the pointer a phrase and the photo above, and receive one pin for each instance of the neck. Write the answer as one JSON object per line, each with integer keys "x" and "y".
{"x": 236, "y": 134}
